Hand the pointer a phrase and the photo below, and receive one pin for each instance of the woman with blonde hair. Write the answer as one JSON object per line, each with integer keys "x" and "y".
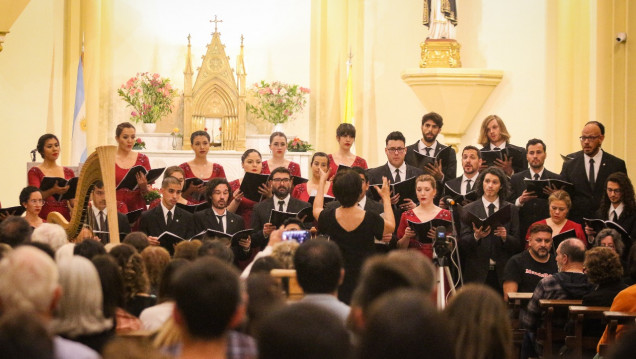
{"x": 79, "y": 316}
{"x": 560, "y": 204}
{"x": 494, "y": 135}
{"x": 479, "y": 322}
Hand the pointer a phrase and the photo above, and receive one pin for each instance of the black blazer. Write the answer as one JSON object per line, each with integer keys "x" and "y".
{"x": 476, "y": 254}
{"x": 535, "y": 209}
{"x": 448, "y": 157}
{"x": 586, "y": 200}
{"x": 206, "y": 219}
{"x": 153, "y": 223}
{"x": 260, "y": 216}
{"x": 124, "y": 226}
{"x": 518, "y": 164}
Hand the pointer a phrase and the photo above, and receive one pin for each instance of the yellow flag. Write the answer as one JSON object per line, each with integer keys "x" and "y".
{"x": 348, "y": 113}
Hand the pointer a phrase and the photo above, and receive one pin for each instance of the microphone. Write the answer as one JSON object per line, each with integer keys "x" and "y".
{"x": 33, "y": 154}
{"x": 449, "y": 200}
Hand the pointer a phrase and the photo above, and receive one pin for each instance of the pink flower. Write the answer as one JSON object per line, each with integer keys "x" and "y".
{"x": 304, "y": 90}
{"x": 155, "y": 76}
{"x": 139, "y": 140}
{"x": 134, "y": 114}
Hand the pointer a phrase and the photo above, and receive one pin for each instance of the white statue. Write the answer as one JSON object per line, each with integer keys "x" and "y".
{"x": 440, "y": 16}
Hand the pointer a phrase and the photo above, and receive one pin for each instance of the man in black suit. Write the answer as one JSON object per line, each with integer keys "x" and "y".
{"x": 531, "y": 208}
{"x": 280, "y": 182}
{"x": 218, "y": 218}
{"x": 167, "y": 217}
{"x": 588, "y": 170}
{"x": 395, "y": 170}
{"x": 98, "y": 216}
{"x": 485, "y": 251}
{"x": 445, "y": 167}
{"x": 495, "y": 136}
{"x": 471, "y": 163}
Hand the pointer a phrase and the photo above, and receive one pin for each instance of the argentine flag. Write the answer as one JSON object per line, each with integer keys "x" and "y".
{"x": 78, "y": 140}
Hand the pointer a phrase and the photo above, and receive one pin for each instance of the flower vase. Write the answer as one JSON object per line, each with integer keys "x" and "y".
{"x": 279, "y": 127}
{"x": 177, "y": 143}
{"x": 149, "y": 127}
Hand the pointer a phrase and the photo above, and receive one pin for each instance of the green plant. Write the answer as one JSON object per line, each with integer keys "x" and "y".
{"x": 139, "y": 144}
{"x": 151, "y": 195}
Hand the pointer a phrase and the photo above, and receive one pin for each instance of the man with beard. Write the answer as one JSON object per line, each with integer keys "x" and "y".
{"x": 218, "y": 218}
{"x": 280, "y": 182}
{"x": 471, "y": 162}
{"x": 588, "y": 170}
{"x": 531, "y": 208}
{"x": 445, "y": 167}
{"x": 524, "y": 270}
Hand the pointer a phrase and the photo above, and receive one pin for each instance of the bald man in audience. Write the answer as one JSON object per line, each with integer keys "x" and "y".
{"x": 29, "y": 281}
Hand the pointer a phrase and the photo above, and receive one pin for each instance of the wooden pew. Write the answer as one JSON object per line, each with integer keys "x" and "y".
{"x": 516, "y": 301}
{"x": 289, "y": 283}
{"x": 578, "y": 342}
{"x": 547, "y": 333}
{"x": 614, "y": 319}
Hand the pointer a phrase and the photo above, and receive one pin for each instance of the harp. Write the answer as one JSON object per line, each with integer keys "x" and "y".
{"x": 100, "y": 165}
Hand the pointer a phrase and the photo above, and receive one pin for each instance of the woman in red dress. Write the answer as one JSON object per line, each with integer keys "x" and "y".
{"x": 278, "y": 146}
{"x": 319, "y": 163}
{"x": 49, "y": 148}
{"x": 31, "y": 200}
{"x": 426, "y": 188}
{"x": 251, "y": 161}
{"x": 200, "y": 167}
{"x": 560, "y": 203}
{"x": 125, "y": 159}
{"x": 346, "y": 136}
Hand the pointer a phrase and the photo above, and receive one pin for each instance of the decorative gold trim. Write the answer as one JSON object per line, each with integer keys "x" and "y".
{"x": 440, "y": 53}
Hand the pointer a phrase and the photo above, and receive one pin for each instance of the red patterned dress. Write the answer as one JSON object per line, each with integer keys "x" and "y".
{"x": 358, "y": 162}
{"x": 293, "y": 167}
{"x": 246, "y": 206}
{"x": 426, "y": 249}
{"x": 35, "y": 177}
{"x": 300, "y": 192}
{"x": 217, "y": 171}
{"x": 132, "y": 199}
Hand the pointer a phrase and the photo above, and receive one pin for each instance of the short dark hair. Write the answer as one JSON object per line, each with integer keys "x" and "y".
{"x": 472, "y": 148}
{"x": 42, "y": 141}
{"x": 137, "y": 239}
{"x": 207, "y": 294}
{"x": 395, "y": 136}
{"x": 265, "y": 265}
{"x": 600, "y": 126}
{"x": 539, "y": 227}
{"x": 217, "y": 250}
{"x": 293, "y": 220}
{"x": 279, "y": 170}
{"x": 213, "y": 184}
{"x": 535, "y": 141}
{"x": 318, "y": 266}
{"x": 361, "y": 171}
{"x": 167, "y": 181}
{"x": 347, "y": 187}
{"x": 435, "y": 117}
{"x": 346, "y": 129}
{"x": 120, "y": 128}
{"x": 25, "y": 194}
{"x": 303, "y": 330}
{"x": 247, "y": 153}
{"x": 44, "y": 247}
{"x": 569, "y": 248}
{"x": 199, "y": 133}
{"x": 504, "y": 190}
{"x": 14, "y": 230}
{"x": 276, "y": 134}
{"x": 89, "y": 248}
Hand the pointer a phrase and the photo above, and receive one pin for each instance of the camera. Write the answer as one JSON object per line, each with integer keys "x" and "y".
{"x": 441, "y": 246}
{"x": 298, "y": 236}
{"x": 621, "y": 37}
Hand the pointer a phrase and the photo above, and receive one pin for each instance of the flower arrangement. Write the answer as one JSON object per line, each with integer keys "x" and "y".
{"x": 176, "y": 132}
{"x": 149, "y": 95}
{"x": 151, "y": 195}
{"x": 298, "y": 145}
{"x": 139, "y": 144}
{"x": 277, "y": 102}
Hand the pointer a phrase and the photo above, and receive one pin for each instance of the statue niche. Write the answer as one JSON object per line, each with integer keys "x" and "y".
{"x": 217, "y": 96}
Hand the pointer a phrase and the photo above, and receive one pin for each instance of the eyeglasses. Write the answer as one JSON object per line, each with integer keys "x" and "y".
{"x": 36, "y": 201}
{"x": 614, "y": 190}
{"x": 396, "y": 149}
{"x": 589, "y": 138}
{"x": 281, "y": 180}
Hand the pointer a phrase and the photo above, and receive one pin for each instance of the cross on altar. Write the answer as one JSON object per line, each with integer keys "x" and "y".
{"x": 215, "y": 21}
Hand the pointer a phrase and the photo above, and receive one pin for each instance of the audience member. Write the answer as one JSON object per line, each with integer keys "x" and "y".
{"x": 139, "y": 240}
{"x": 137, "y": 286}
{"x": 64, "y": 252}
{"x": 41, "y": 246}
{"x": 187, "y": 249}
{"x": 14, "y": 230}
{"x": 24, "y": 335}
{"x": 155, "y": 260}
{"x": 444, "y": 166}
{"x": 89, "y": 249}
{"x": 524, "y": 270}
{"x": 588, "y": 170}
{"x": 29, "y": 281}
{"x": 52, "y": 234}
{"x": 216, "y": 249}
{"x": 152, "y": 318}
{"x": 478, "y": 319}
{"x": 263, "y": 265}
{"x": 265, "y": 294}
{"x": 303, "y": 330}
